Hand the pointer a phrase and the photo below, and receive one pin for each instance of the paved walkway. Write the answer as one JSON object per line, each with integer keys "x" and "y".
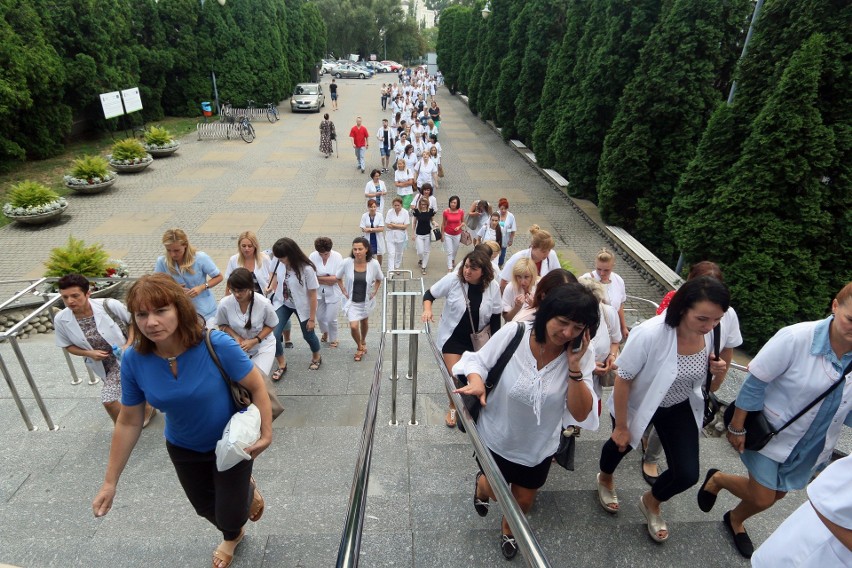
{"x": 419, "y": 511}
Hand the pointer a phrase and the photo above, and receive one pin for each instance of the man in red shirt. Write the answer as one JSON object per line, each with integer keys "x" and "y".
{"x": 361, "y": 142}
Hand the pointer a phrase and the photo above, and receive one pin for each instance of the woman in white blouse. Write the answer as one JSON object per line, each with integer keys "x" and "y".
{"x": 397, "y": 221}
{"x": 375, "y": 188}
{"x": 660, "y": 374}
{"x": 426, "y": 170}
{"x": 616, "y": 292}
{"x": 541, "y": 252}
{"x": 297, "y": 280}
{"x": 373, "y": 228}
{"x": 327, "y": 261}
{"x": 249, "y": 318}
{"x": 359, "y": 278}
{"x": 545, "y": 379}
{"x": 519, "y": 292}
{"x": 250, "y": 257}
{"x": 403, "y": 179}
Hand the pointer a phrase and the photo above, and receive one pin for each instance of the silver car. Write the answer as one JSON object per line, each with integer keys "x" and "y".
{"x": 307, "y": 96}
{"x": 351, "y": 71}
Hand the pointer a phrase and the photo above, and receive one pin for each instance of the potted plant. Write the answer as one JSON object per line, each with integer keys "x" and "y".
{"x": 129, "y": 155}
{"x": 91, "y": 261}
{"x": 159, "y": 142}
{"x": 90, "y": 174}
{"x": 33, "y": 203}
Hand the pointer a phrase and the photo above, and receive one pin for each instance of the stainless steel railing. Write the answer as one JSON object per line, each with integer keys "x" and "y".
{"x": 527, "y": 543}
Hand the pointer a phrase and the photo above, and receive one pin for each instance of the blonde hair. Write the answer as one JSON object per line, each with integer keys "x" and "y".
{"x": 259, "y": 256}
{"x": 594, "y": 287}
{"x": 604, "y": 255}
{"x": 493, "y": 245}
{"x": 541, "y": 239}
{"x": 524, "y": 266}
{"x": 178, "y": 236}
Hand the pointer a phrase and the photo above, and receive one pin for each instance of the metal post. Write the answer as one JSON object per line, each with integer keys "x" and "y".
{"x": 16, "y": 396}
{"x": 75, "y": 380}
{"x": 394, "y": 353}
{"x": 754, "y": 17}
{"x": 412, "y": 342}
{"x": 215, "y": 90}
{"x": 13, "y": 341}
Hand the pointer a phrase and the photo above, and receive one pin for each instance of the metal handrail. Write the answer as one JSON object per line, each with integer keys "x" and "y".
{"x": 350, "y": 542}
{"x": 527, "y": 543}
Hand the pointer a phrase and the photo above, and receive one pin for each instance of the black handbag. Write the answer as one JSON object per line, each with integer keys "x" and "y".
{"x": 436, "y": 232}
{"x": 759, "y": 431}
{"x": 564, "y": 455}
{"x": 240, "y": 394}
{"x": 711, "y": 403}
{"x": 472, "y": 402}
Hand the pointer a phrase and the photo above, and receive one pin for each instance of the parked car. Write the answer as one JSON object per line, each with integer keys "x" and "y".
{"x": 327, "y": 66}
{"x": 351, "y": 72}
{"x": 307, "y": 96}
{"x": 376, "y": 66}
{"x": 394, "y": 66}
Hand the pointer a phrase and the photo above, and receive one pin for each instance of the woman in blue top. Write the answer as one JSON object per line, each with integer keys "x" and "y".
{"x": 170, "y": 366}
{"x": 797, "y": 365}
{"x": 191, "y": 269}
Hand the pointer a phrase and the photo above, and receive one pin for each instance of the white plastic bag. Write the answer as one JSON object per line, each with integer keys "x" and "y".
{"x": 242, "y": 430}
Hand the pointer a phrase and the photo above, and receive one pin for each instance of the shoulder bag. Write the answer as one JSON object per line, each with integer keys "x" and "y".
{"x": 472, "y": 402}
{"x": 760, "y": 432}
{"x": 711, "y": 403}
{"x": 477, "y": 338}
{"x": 114, "y": 317}
{"x": 436, "y": 231}
{"x": 240, "y": 394}
{"x": 464, "y": 237}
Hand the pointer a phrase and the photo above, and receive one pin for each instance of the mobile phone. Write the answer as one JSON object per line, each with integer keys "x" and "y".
{"x": 577, "y": 344}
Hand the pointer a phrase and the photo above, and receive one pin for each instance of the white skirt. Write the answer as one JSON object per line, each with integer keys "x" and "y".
{"x": 357, "y": 311}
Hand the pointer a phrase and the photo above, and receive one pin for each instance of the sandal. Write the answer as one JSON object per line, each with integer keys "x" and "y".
{"x": 279, "y": 372}
{"x": 224, "y": 558}
{"x": 607, "y": 497}
{"x": 656, "y": 524}
{"x": 257, "y": 503}
{"x": 358, "y": 355}
{"x": 481, "y": 505}
{"x": 334, "y": 344}
{"x": 315, "y": 365}
{"x": 450, "y": 418}
{"x": 288, "y": 345}
{"x": 364, "y": 348}
{"x": 324, "y": 338}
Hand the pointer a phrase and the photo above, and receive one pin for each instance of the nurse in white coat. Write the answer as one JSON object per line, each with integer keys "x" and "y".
{"x": 660, "y": 374}
{"x": 359, "y": 278}
{"x": 540, "y": 251}
{"x": 800, "y": 363}
{"x": 327, "y": 262}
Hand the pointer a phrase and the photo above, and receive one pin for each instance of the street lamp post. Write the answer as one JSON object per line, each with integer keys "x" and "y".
{"x": 486, "y": 11}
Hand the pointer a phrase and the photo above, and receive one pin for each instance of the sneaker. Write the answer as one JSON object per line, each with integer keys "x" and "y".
{"x": 508, "y": 546}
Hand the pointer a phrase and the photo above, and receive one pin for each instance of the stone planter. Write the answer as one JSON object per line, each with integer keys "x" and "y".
{"x": 162, "y": 152}
{"x": 91, "y": 188}
{"x": 38, "y": 218}
{"x": 132, "y": 168}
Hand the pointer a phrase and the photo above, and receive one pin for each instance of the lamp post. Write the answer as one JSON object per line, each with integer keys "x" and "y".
{"x": 213, "y": 73}
{"x": 486, "y": 11}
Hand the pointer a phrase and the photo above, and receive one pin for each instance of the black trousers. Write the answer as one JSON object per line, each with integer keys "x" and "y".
{"x": 221, "y": 497}
{"x": 679, "y": 437}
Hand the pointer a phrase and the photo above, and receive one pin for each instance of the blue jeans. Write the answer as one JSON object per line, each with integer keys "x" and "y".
{"x": 284, "y": 313}
{"x": 360, "y": 155}
{"x": 502, "y": 257}
{"x": 278, "y": 332}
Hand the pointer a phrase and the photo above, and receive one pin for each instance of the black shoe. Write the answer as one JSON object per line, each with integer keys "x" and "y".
{"x": 288, "y": 345}
{"x": 741, "y": 540}
{"x": 706, "y": 500}
{"x": 508, "y": 546}
{"x": 478, "y": 504}
{"x": 649, "y": 479}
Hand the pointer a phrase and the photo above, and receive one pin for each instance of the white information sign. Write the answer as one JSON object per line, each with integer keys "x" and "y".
{"x": 132, "y": 100}
{"x": 111, "y": 103}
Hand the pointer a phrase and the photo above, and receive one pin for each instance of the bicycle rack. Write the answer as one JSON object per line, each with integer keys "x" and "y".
{"x": 213, "y": 130}
{"x": 399, "y": 279}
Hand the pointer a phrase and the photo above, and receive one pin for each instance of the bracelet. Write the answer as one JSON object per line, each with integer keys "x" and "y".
{"x": 573, "y": 372}
{"x": 736, "y": 432}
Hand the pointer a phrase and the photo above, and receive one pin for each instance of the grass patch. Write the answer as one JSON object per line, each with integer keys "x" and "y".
{"x": 50, "y": 171}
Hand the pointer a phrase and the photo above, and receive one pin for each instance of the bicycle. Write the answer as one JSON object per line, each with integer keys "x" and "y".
{"x": 272, "y": 113}
{"x": 245, "y": 129}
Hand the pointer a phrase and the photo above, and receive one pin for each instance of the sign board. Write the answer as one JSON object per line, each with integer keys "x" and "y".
{"x": 111, "y": 103}
{"x": 354, "y": 57}
{"x": 132, "y": 100}
{"x": 372, "y": 57}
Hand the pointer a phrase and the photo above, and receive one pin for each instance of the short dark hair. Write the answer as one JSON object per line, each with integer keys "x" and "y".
{"x": 450, "y": 201}
{"x": 366, "y": 244}
{"x": 72, "y": 281}
{"x": 478, "y": 259}
{"x": 242, "y": 279}
{"x": 548, "y": 282}
{"x": 323, "y": 244}
{"x": 703, "y": 288}
{"x": 573, "y": 301}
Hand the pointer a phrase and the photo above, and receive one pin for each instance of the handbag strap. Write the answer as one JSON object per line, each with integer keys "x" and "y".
{"x": 825, "y": 393}
{"x": 500, "y": 365}
{"x": 717, "y": 344}
{"x": 215, "y": 357}
{"x": 467, "y": 308}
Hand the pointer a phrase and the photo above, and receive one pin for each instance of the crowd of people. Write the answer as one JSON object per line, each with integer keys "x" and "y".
{"x": 550, "y": 336}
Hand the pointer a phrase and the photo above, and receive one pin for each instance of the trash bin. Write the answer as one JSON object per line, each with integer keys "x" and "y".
{"x": 315, "y": 74}
{"x": 206, "y": 109}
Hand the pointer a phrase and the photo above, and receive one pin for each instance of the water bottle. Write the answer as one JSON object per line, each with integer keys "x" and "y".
{"x": 116, "y": 351}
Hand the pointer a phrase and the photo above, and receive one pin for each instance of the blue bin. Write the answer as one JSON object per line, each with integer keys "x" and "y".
{"x": 206, "y": 108}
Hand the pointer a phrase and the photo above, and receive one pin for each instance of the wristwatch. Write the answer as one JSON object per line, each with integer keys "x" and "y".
{"x": 206, "y": 286}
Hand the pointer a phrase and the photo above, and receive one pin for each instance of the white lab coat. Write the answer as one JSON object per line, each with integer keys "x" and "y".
{"x": 548, "y": 264}
{"x": 329, "y": 293}
{"x": 455, "y": 309}
{"x": 68, "y": 331}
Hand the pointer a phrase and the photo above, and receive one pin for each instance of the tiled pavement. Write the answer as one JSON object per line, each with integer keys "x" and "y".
{"x": 419, "y": 512}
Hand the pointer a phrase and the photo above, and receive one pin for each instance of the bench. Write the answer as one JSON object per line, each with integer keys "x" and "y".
{"x": 556, "y": 178}
{"x": 646, "y": 258}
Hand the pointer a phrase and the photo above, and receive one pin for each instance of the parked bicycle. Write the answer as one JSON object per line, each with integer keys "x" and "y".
{"x": 272, "y": 113}
{"x": 245, "y": 129}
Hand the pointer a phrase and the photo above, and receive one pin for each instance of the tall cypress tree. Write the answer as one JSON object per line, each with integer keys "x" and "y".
{"x": 494, "y": 46}
{"x": 597, "y": 82}
{"x": 662, "y": 114}
{"x": 508, "y": 82}
{"x": 773, "y": 210}
{"x": 559, "y": 64}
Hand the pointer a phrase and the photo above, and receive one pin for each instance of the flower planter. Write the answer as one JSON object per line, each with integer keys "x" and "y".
{"x": 162, "y": 151}
{"x": 38, "y": 218}
{"x": 131, "y": 167}
{"x": 91, "y": 188}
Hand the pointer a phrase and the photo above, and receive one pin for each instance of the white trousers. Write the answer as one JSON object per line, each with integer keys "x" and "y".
{"x": 451, "y": 247}
{"x": 424, "y": 246}
{"x": 394, "y": 254}
{"x": 327, "y": 317}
